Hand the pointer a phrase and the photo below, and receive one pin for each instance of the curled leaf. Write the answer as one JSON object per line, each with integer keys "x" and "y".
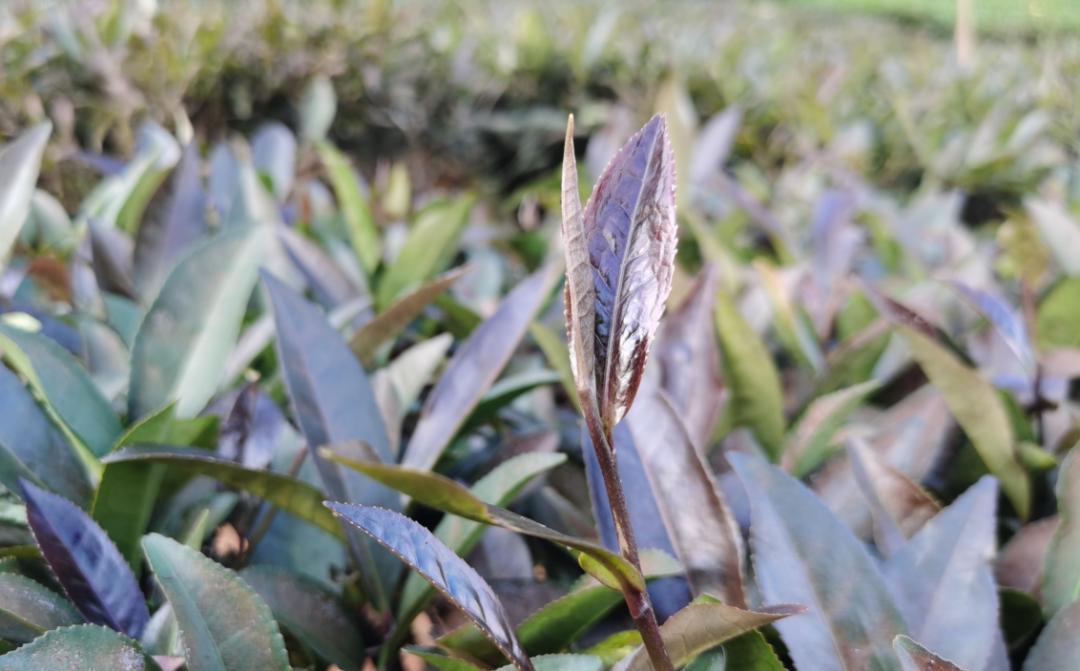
{"x": 620, "y": 255}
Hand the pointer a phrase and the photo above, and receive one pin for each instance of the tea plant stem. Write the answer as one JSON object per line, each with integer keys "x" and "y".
{"x": 637, "y": 600}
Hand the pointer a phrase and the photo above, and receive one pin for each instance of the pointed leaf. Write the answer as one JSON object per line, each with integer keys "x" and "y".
{"x": 499, "y": 487}
{"x": 333, "y": 403}
{"x": 417, "y": 547}
{"x": 31, "y": 448}
{"x": 224, "y": 624}
{"x": 1058, "y": 646}
{"x": 627, "y": 233}
{"x": 802, "y": 554}
{"x": 979, "y": 410}
{"x": 70, "y": 395}
{"x": 391, "y": 321}
{"x": 161, "y": 241}
{"x": 552, "y": 628}
{"x": 85, "y": 647}
{"x": 20, "y": 162}
{"x": 708, "y": 542}
{"x": 701, "y": 626}
{"x": 428, "y": 249}
{"x": 86, "y": 563}
{"x": 291, "y": 495}
{"x": 1021, "y": 562}
{"x": 191, "y": 328}
{"x": 943, "y": 579}
{"x": 1061, "y": 567}
{"x": 363, "y": 234}
{"x": 473, "y": 369}
{"x": 757, "y": 401}
{"x": 28, "y": 609}
{"x": 810, "y": 442}
{"x": 436, "y": 491}
{"x": 330, "y": 285}
{"x": 310, "y": 613}
{"x": 914, "y": 657}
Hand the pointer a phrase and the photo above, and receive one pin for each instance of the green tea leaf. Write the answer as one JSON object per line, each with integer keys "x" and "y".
{"x": 310, "y": 613}
{"x": 1057, "y": 322}
{"x": 28, "y": 609}
{"x": 756, "y": 396}
{"x": 1061, "y": 565}
{"x": 427, "y": 251}
{"x": 224, "y": 624}
{"x": 20, "y": 162}
{"x": 810, "y": 442}
{"x": 979, "y": 411}
{"x": 85, "y": 647}
{"x": 190, "y": 329}
{"x": 363, "y": 234}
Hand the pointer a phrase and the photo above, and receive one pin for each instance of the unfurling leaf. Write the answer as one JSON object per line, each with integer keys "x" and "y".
{"x": 446, "y": 571}
{"x": 620, "y": 255}
{"x": 86, "y": 563}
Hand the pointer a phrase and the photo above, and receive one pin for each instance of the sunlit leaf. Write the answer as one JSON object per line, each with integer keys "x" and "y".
{"x": 943, "y": 579}
{"x": 363, "y": 233}
{"x": 802, "y": 554}
{"x": 428, "y": 249}
{"x": 436, "y": 491}
{"x": 20, "y": 162}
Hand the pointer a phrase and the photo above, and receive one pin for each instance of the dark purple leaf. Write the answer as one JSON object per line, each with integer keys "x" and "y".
{"x": 620, "y": 255}
{"x": 333, "y": 404}
{"x": 689, "y": 359}
{"x": 943, "y": 580}
{"x": 914, "y": 657}
{"x": 803, "y": 554}
{"x": 417, "y": 547}
{"x": 161, "y": 241}
{"x": 86, "y": 563}
{"x": 706, "y": 537}
{"x": 669, "y": 594}
{"x": 473, "y": 369}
